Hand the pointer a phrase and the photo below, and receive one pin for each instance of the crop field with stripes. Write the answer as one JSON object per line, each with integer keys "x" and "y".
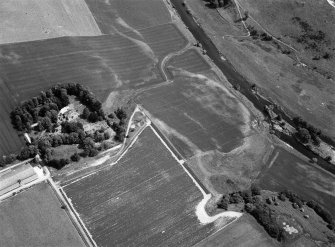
{"x": 196, "y": 115}
{"x": 128, "y": 14}
{"x": 146, "y": 199}
{"x": 190, "y": 61}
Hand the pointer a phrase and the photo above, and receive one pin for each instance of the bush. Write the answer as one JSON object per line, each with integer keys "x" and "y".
{"x": 255, "y": 190}
{"x": 75, "y": 157}
{"x": 235, "y": 198}
{"x": 224, "y": 202}
{"x": 303, "y": 135}
{"x": 121, "y": 113}
{"x": 69, "y": 127}
{"x": 247, "y": 196}
{"x": 294, "y": 198}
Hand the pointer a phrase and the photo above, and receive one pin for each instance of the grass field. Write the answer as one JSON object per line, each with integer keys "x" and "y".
{"x": 196, "y": 114}
{"x": 128, "y": 14}
{"x": 244, "y": 232}
{"x": 35, "y": 218}
{"x": 312, "y": 183}
{"x": 190, "y": 61}
{"x": 25, "y": 20}
{"x": 146, "y": 199}
{"x": 300, "y": 90}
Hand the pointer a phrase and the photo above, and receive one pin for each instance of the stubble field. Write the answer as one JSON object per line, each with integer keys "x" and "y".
{"x": 146, "y": 199}
{"x": 26, "y": 20}
{"x": 190, "y": 61}
{"x": 35, "y": 218}
{"x": 128, "y": 15}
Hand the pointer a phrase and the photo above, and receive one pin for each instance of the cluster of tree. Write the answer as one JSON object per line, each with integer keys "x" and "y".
{"x": 261, "y": 35}
{"x": 218, "y": 3}
{"x": 254, "y": 205}
{"x": 246, "y": 196}
{"x": 58, "y": 163}
{"x": 44, "y": 108}
{"x": 119, "y": 127}
{"x": 89, "y": 148}
{"x": 267, "y": 218}
{"x": 70, "y": 127}
{"x": 292, "y": 197}
{"x": 92, "y": 116}
{"x": 306, "y": 132}
{"x": 8, "y": 159}
{"x": 323, "y": 213}
{"x": 28, "y": 152}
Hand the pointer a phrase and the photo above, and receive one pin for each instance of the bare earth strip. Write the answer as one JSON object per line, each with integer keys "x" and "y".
{"x": 26, "y": 20}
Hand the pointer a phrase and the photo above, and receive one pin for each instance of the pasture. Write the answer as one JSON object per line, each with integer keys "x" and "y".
{"x": 26, "y": 20}
{"x": 307, "y": 180}
{"x": 190, "y": 61}
{"x": 35, "y": 218}
{"x": 128, "y": 15}
{"x": 197, "y": 114}
{"x": 146, "y": 199}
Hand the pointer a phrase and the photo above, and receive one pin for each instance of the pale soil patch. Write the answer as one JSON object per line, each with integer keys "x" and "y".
{"x": 26, "y": 20}
{"x": 236, "y": 170}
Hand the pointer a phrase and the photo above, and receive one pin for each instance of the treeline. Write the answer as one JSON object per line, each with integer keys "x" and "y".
{"x": 218, "y": 3}
{"x": 259, "y": 35}
{"x": 323, "y": 213}
{"x": 260, "y": 210}
{"x": 118, "y": 127}
{"x": 306, "y": 132}
{"x": 44, "y": 108}
{"x": 254, "y": 205}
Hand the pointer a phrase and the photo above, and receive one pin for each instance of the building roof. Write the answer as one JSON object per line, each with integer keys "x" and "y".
{"x": 11, "y": 176}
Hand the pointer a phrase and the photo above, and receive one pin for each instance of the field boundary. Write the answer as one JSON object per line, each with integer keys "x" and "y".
{"x": 73, "y": 215}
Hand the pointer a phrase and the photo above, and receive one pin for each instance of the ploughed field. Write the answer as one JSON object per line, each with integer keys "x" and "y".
{"x": 34, "y": 218}
{"x": 146, "y": 199}
{"x": 307, "y": 180}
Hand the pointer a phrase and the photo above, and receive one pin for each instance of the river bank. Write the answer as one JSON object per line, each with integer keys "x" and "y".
{"x": 238, "y": 81}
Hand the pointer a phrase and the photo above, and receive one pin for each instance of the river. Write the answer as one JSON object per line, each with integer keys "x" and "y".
{"x": 237, "y": 79}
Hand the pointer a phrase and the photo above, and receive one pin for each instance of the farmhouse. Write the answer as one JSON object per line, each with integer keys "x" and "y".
{"x": 13, "y": 178}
